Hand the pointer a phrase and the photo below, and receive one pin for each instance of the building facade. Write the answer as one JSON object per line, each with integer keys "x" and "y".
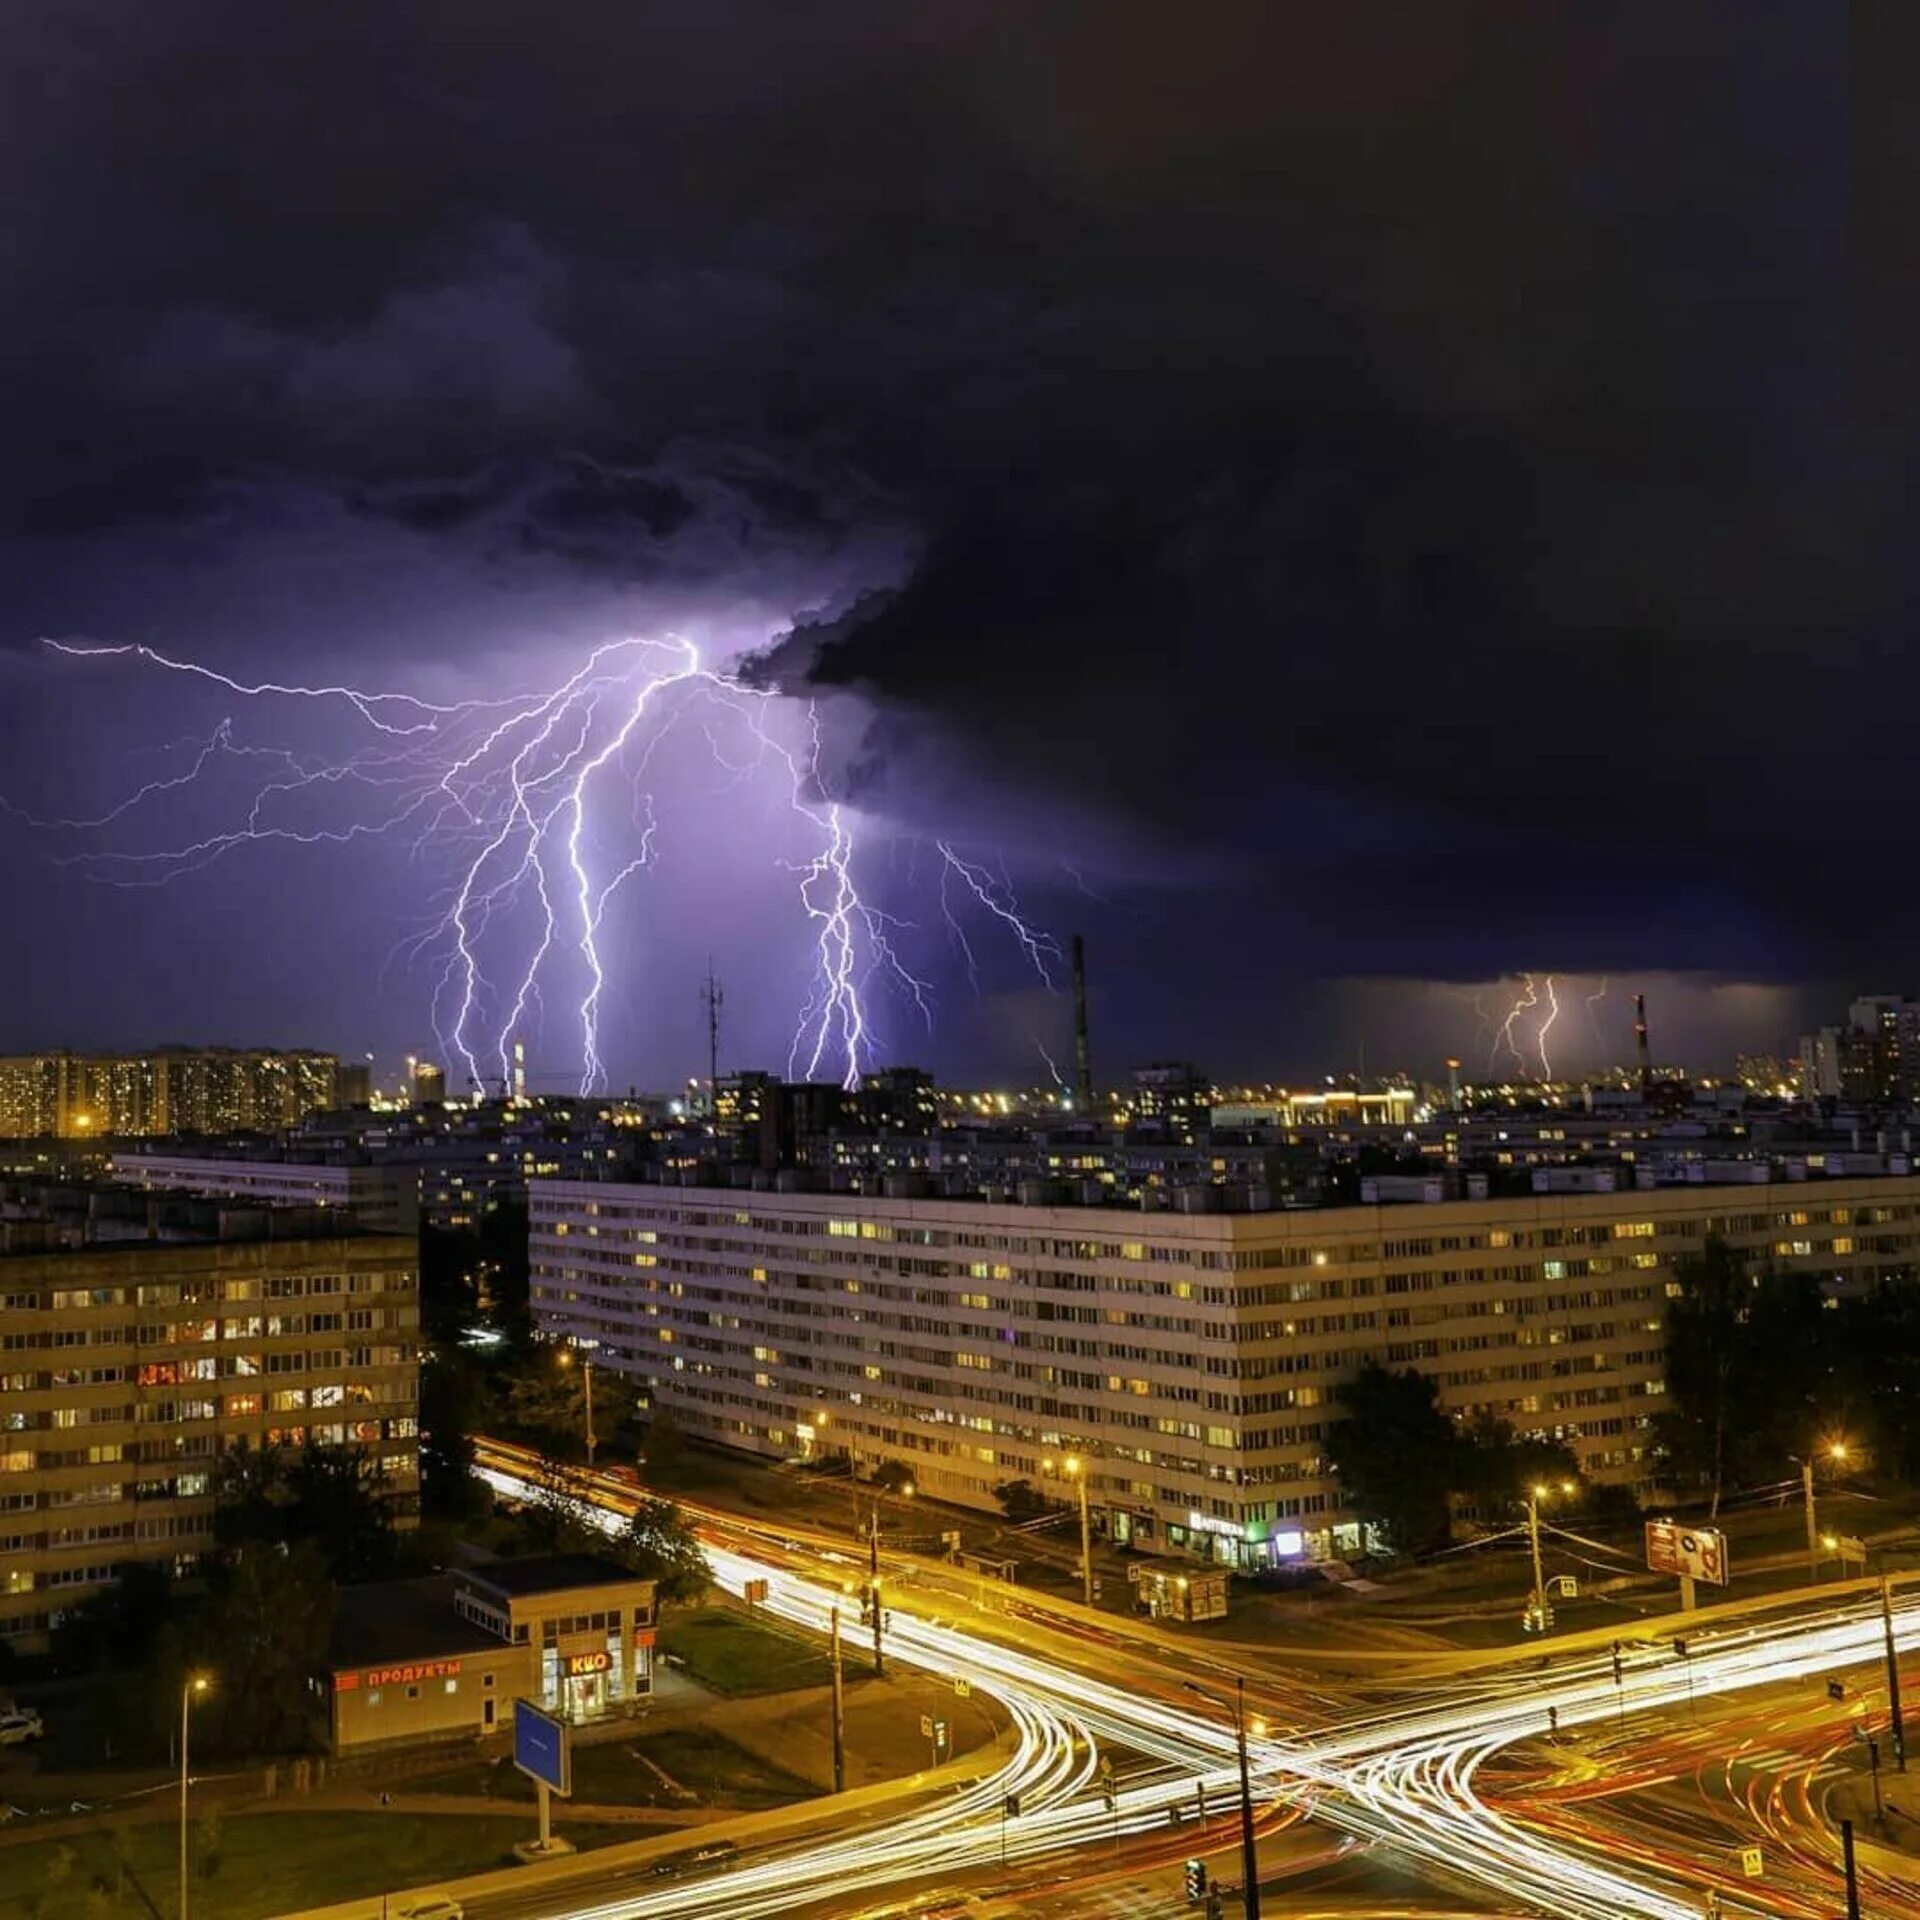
{"x": 127, "y": 1369}
{"x": 169, "y": 1090}
{"x": 1189, "y": 1358}
{"x": 384, "y": 1197}
{"x": 446, "y": 1657}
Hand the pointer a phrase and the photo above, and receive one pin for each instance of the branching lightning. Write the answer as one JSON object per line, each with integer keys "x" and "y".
{"x": 1040, "y": 948}
{"x": 1541, "y": 993}
{"x": 1545, "y": 1028}
{"x": 1503, "y": 1039}
{"x": 538, "y": 809}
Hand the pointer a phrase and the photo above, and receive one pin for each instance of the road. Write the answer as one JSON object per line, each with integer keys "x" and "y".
{"x": 1405, "y": 1776}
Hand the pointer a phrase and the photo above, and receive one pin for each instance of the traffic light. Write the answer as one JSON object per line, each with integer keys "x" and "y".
{"x": 1196, "y": 1882}
{"x": 1618, "y": 1673}
{"x": 1836, "y": 1690}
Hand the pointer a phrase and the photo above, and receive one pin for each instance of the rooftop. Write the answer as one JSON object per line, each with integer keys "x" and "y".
{"x": 391, "y": 1620}
{"x": 549, "y": 1573}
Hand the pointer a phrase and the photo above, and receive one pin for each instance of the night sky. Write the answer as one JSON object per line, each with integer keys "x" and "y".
{"x": 1338, "y": 504}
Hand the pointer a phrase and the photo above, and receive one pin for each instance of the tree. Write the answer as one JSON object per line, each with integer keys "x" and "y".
{"x": 449, "y": 1412}
{"x": 893, "y": 1476}
{"x": 261, "y": 1634}
{"x": 118, "y": 1628}
{"x": 558, "y": 1519}
{"x": 1494, "y": 1467}
{"x": 1021, "y": 1500}
{"x": 1395, "y": 1454}
{"x": 1875, "y": 1398}
{"x": 545, "y": 1404}
{"x": 664, "y": 1443}
{"x": 1750, "y": 1360}
{"x": 333, "y": 1498}
{"x": 660, "y": 1545}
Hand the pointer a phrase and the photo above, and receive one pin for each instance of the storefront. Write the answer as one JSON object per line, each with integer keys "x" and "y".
{"x": 445, "y": 1658}
{"x": 590, "y": 1622}
{"x": 404, "y": 1667}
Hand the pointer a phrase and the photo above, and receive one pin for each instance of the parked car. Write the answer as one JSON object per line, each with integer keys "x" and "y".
{"x": 20, "y": 1724}
{"x": 432, "y": 1906}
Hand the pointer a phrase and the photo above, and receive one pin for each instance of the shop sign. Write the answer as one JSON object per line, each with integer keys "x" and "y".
{"x": 398, "y": 1676}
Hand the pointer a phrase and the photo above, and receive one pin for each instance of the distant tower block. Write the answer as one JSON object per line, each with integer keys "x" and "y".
{"x": 1082, "y": 1053}
{"x": 1640, "y": 1044}
{"x": 519, "y": 1069}
{"x": 1453, "y": 1085}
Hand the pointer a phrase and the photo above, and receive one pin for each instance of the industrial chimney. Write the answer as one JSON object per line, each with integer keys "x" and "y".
{"x": 1082, "y": 1058}
{"x": 1640, "y": 1044}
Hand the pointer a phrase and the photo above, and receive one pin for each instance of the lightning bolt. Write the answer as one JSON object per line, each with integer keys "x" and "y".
{"x": 1546, "y": 1027}
{"x": 1503, "y": 1035}
{"x": 1039, "y": 948}
{"x": 1593, "y": 1019}
{"x": 1052, "y": 1068}
{"x": 516, "y": 800}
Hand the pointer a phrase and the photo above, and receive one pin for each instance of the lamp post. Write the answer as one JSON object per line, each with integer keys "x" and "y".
{"x": 1249, "y": 1858}
{"x": 1535, "y": 1494}
{"x": 191, "y": 1689}
{"x": 1077, "y": 1473}
{"x": 586, "y": 1383}
{"x": 1835, "y": 1450}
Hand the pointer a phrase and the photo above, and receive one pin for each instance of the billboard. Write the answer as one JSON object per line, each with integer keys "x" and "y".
{"x": 1690, "y": 1553}
{"x": 541, "y": 1748}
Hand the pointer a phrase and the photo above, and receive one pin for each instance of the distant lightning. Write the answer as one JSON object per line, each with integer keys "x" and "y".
{"x": 1052, "y": 1068}
{"x": 1593, "y": 999}
{"x": 1039, "y": 948}
{"x": 1504, "y": 1035}
{"x": 1546, "y": 1027}
{"x": 519, "y": 796}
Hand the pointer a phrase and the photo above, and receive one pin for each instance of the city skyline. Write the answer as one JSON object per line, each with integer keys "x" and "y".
{"x": 1094, "y": 622}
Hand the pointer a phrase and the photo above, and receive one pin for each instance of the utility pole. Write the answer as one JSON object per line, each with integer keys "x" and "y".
{"x": 1079, "y": 1473}
{"x": 1813, "y": 1531}
{"x": 713, "y": 1000}
{"x": 1853, "y": 1880}
{"x": 839, "y": 1713}
{"x": 586, "y": 1379}
{"x": 1895, "y": 1724}
{"x": 1249, "y": 1855}
{"x": 873, "y": 1585}
{"x": 1539, "y": 1574}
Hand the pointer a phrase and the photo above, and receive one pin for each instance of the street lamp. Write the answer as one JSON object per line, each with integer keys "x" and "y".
{"x": 191, "y": 1689}
{"x": 1076, "y": 1473}
{"x": 586, "y": 1381}
{"x": 1249, "y": 1859}
{"x": 1537, "y": 1614}
{"x": 1835, "y": 1450}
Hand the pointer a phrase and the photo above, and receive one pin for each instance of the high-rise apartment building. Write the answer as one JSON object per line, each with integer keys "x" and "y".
{"x": 170, "y": 1090}
{"x": 141, "y": 1340}
{"x": 1191, "y": 1359}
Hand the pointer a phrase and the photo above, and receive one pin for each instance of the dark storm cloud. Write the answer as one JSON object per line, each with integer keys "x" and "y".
{"x": 1393, "y": 464}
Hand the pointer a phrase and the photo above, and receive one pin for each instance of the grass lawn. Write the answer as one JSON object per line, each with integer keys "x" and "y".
{"x": 268, "y": 1863}
{"x": 733, "y": 1654}
{"x": 708, "y": 1765}
{"x": 718, "y": 1771}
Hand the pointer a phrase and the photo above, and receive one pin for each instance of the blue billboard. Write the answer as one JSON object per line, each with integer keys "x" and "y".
{"x": 541, "y": 1748}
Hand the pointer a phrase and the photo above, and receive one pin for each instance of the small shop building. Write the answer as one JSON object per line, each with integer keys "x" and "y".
{"x": 445, "y": 1657}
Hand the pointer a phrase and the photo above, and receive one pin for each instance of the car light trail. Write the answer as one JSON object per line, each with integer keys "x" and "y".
{"x": 1403, "y": 1777}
